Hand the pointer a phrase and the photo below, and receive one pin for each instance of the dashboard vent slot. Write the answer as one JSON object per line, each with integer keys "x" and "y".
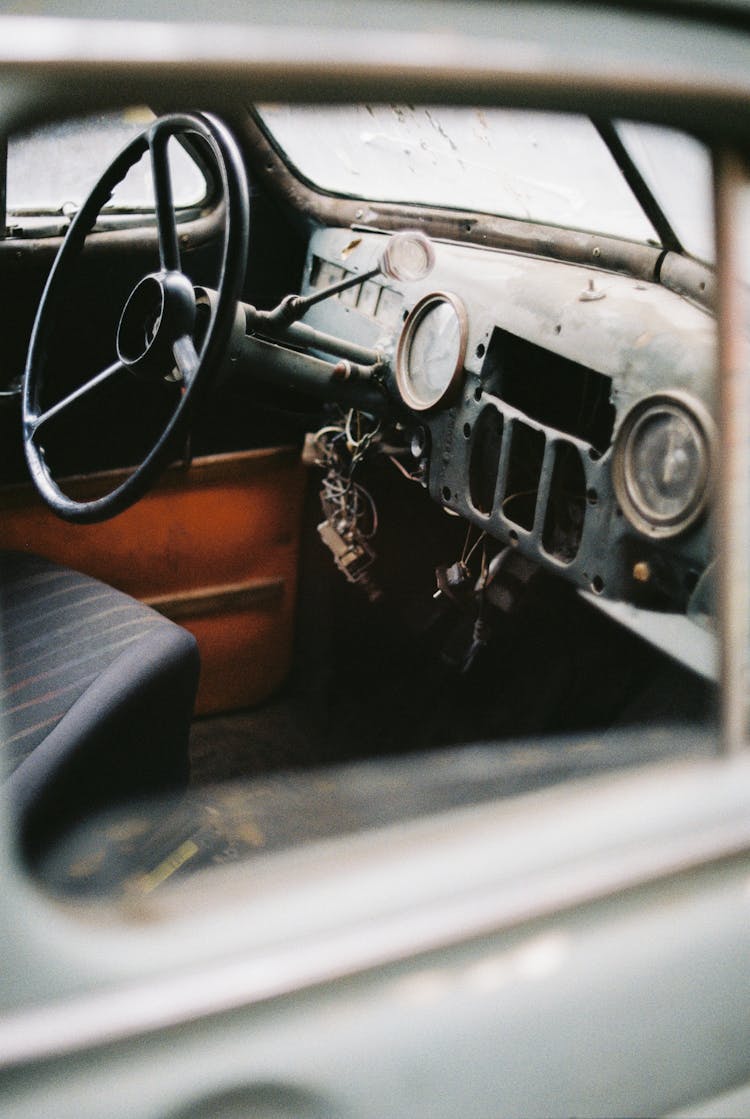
{"x": 550, "y": 389}
{"x": 524, "y": 474}
{"x": 485, "y": 459}
{"x": 566, "y": 504}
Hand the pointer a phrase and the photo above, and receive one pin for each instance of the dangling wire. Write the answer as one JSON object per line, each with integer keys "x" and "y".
{"x": 467, "y": 551}
{"x": 351, "y": 516}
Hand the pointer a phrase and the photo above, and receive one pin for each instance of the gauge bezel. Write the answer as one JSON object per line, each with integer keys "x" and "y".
{"x": 694, "y": 412}
{"x": 418, "y": 312}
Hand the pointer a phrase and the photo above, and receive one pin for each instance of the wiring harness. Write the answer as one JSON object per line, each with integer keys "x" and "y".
{"x": 351, "y": 517}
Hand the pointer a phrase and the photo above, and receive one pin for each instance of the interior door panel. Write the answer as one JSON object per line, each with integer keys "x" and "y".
{"x": 214, "y": 547}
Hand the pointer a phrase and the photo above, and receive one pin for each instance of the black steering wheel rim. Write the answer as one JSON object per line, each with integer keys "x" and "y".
{"x": 195, "y": 366}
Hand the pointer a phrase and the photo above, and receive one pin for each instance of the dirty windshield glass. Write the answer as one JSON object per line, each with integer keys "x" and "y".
{"x": 545, "y": 167}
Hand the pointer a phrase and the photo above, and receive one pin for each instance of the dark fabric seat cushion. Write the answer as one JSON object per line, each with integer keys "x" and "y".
{"x": 96, "y": 695}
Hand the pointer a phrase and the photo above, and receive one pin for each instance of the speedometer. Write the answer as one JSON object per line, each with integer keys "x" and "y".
{"x": 431, "y": 350}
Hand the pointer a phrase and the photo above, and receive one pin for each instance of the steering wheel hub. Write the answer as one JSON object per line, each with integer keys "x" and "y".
{"x": 159, "y": 310}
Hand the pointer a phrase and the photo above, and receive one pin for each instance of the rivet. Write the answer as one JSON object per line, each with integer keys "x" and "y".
{"x": 641, "y": 572}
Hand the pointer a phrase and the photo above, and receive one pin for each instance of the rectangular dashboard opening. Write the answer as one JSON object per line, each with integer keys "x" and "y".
{"x": 550, "y": 389}
{"x": 524, "y": 475}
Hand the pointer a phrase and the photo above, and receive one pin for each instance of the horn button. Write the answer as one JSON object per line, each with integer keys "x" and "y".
{"x": 159, "y": 310}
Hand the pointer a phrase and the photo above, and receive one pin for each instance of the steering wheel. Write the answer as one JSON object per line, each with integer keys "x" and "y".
{"x": 156, "y": 333}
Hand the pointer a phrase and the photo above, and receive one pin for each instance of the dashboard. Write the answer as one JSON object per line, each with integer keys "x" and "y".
{"x": 564, "y": 410}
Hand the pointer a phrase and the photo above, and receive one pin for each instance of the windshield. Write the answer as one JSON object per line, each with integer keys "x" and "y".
{"x": 550, "y": 168}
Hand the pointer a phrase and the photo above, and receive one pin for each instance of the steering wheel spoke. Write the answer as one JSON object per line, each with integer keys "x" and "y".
{"x": 35, "y": 422}
{"x": 169, "y": 248}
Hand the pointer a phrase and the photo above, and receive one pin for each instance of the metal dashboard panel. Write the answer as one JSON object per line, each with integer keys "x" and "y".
{"x": 634, "y": 336}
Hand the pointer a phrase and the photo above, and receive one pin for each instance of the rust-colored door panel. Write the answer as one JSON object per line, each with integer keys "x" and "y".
{"x": 215, "y": 547}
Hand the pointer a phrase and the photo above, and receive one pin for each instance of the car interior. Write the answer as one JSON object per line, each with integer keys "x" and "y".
{"x": 424, "y": 488}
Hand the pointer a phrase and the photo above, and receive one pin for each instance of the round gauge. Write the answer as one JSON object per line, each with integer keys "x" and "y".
{"x": 662, "y": 463}
{"x": 407, "y": 257}
{"x": 430, "y": 352}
